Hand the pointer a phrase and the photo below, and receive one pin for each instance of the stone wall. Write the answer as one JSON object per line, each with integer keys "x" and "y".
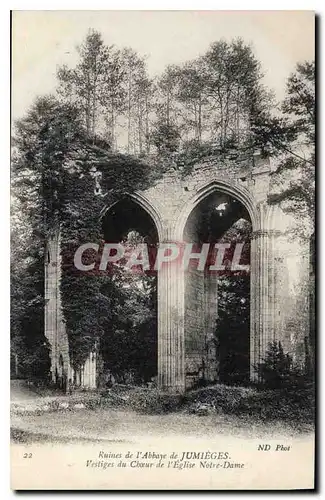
{"x": 55, "y": 331}
{"x": 279, "y": 275}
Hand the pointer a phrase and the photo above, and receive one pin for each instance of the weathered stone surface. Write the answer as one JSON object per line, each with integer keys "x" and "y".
{"x": 186, "y": 302}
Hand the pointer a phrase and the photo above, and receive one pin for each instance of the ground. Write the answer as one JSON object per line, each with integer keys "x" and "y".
{"x": 38, "y": 416}
{"x": 111, "y": 425}
{"x": 70, "y": 439}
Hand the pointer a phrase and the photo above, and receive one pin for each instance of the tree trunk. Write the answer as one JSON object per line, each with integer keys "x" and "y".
{"x": 88, "y": 124}
{"x": 168, "y": 108}
{"x": 237, "y": 115}
{"x": 129, "y": 113}
{"x": 139, "y": 126}
{"x": 200, "y": 120}
{"x": 113, "y": 126}
{"x": 147, "y": 125}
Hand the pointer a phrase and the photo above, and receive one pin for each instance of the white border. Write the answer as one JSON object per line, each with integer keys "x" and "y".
{"x": 315, "y": 5}
{"x": 166, "y": 5}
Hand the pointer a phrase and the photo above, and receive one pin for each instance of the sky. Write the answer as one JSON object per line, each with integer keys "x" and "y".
{"x": 43, "y": 40}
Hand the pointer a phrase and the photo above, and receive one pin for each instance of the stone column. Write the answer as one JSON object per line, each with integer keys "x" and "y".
{"x": 279, "y": 295}
{"x": 211, "y": 314}
{"x": 262, "y": 296}
{"x": 89, "y": 371}
{"x": 291, "y": 319}
{"x": 53, "y": 318}
{"x": 194, "y": 325}
{"x": 171, "y": 373}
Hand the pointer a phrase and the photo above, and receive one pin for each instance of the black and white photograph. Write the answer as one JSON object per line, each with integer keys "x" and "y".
{"x": 163, "y": 254}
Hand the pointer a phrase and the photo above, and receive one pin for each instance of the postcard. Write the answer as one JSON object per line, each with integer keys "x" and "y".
{"x": 163, "y": 250}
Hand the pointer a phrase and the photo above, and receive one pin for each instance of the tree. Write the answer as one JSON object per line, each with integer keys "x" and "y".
{"x": 167, "y": 86}
{"x": 83, "y": 85}
{"x": 139, "y": 93}
{"x": 29, "y": 348}
{"x": 112, "y": 98}
{"x": 290, "y": 138}
{"x": 232, "y": 329}
{"x": 28, "y": 343}
{"x": 54, "y": 164}
{"x": 95, "y": 85}
{"x": 293, "y": 180}
{"x": 57, "y": 153}
{"x": 300, "y": 101}
{"x": 40, "y": 147}
{"x": 192, "y": 94}
{"x": 129, "y": 345}
{"x": 215, "y": 100}
{"x": 276, "y": 370}
{"x": 234, "y": 90}
{"x": 42, "y": 141}
{"x": 165, "y": 137}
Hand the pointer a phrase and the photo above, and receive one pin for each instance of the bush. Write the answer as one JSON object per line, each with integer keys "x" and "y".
{"x": 277, "y": 370}
{"x": 292, "y": 406}
{"x": 142, "y": 399}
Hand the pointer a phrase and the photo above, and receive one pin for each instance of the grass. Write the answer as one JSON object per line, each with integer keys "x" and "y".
{"x": 295, "y": 405}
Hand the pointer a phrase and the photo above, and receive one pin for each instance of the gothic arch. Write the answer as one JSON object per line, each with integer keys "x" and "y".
{"x": 236, "y": 191}
{"x": 147, "y": 206}
{"x": 169, "y": 204}
{"x": 262, "y": 219}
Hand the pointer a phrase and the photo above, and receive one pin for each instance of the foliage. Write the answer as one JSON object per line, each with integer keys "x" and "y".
{"x": 292, "y": 137}
{"x": 129, "y": 345}
{"x": 139, "y": 91}
{"x": 217, "y": 100}
{"x": 64, "y": 174}
{"x": 29, "y": 347}
{"x": 296, "y": 407}
{"x": 42, "y": 142}
{"x": 111, "y": 89}
{"x": 53, "y": 176}
{"x": 277, "y": 371}
{"x": 214, "y": 99}
{"x": 300, "y": 100}
{"x": 233, "y": 321}
{"x": 94, "y": 82}
{"x": 165, "y": 137}
{"x": 232, "y": 329}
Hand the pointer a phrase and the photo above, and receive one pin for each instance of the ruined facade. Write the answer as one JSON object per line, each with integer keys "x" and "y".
{"x": 187, "y": 304}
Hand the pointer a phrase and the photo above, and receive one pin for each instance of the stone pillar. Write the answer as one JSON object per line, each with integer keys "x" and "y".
{"x": 211, "y": 314}
{"x": 51, "y": 316}
{"x": 53, "y": 319}
{"x": 89, "y": 371}
{"x": 262, "y": 296}
{"x": 279, "y": 296}
{"x": 292, "y": 308}
{"x": 194, "y": 325}
{"x": 171, "y": 373}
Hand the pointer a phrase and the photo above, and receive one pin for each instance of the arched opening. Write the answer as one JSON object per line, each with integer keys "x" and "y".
{"x": 129, "y": 345}
{"x": 217, "y": 299}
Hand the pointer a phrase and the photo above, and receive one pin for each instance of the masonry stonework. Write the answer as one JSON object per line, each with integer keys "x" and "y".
{"x": 187, "y": 302}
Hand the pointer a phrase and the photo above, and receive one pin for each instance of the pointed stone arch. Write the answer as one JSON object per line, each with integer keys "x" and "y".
{"x": 146, "y": 205}
{"x": 235, "y": 190}
{"x": 168, "y": 203}
{"x": 263, "y": 220}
